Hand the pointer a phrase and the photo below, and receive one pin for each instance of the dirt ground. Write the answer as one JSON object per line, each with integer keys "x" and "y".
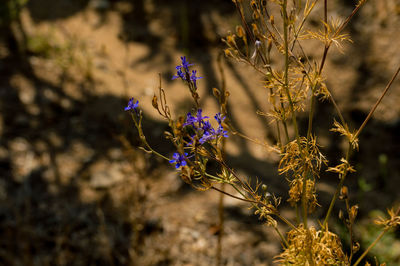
{"x": 76, "y": 190}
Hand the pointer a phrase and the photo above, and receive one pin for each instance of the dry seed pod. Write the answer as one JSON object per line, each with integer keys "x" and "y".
{"x": 272, "y": 20}
{"x": 344, "y": 193}
{"x": 154, "y": 102}
{"x": 264, "y": 187}
{"x": 253, "y": 4}
{"x": 356, "y": 246}
{"x": 228, "y": 53}
{"x": 341, "y": 215}
{"x": 231, "y": 40}
{"x": 255, "y": 29}
{"x": 269, "y": 44}
{"x": 353, "y": 213}
{"x": 264, "y": 3}
{"x": 255, "y": 15}
{"x": 239, "y": 31}
{"x": 168, "y": 135}
{"x": 216, "y": 93}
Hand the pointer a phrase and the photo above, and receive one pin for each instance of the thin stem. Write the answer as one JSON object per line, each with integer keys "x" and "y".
{"x": 244, "y": 185}
{"x": 297, "y": 214}
{"x": 371, "y": 246}
{"x": 284, "y": 241}
{"x": 233, "y": 196}
{"x": 326, "y": 14}
{"x": 254, "y": 202}
{"x": 213, "y": 177}
{"x": 222, "y": 102}
{"x": 311, "y": 116}
{"x": 143, "y": 138}
{"x": 377, "y": 103}
{"x": 221, "y": 225}
{"x": 304, "y": 201}
{"x": 291, "y": 105}
{"x": 338, "y": 188}
{"x": 350, "y": 228}
{"x": 328, "y": 45}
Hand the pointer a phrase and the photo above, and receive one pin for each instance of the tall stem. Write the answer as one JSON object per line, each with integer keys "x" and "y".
{"x": 291, "y": 105}
{"x": 338, "y": 188}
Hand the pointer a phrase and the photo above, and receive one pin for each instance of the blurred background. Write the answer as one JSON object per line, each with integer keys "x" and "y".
{"x": 76, "y": 190}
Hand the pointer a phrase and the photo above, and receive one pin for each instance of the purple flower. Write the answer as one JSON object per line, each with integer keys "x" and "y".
{"x": 193, "y": 78}
{"x": 207, "y": 126}
{"x": 185, "y": 63}
{"x": 179, "y": 160}
{"x": 208, "y": 135}
{"x": 182, "y": 72}
{"x": 204, "y": 129}
{"x": 219, "y": 118}
{"x": 221, "y": 132}
{"x": 179, "y": 73}
{"x": 191, "y": 120}
{"x": 132, "y": 106}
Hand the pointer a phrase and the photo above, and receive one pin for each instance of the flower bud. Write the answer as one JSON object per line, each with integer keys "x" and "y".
{"x": 344, "y": 193}
{"x": 154, "y": 102}
{"x": 240, "y": 31}
{"x": 353, "y": 213}
{"x": 341, "y": 215}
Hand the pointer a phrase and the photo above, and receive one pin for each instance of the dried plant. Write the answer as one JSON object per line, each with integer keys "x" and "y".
{"x": 274, "y": 29}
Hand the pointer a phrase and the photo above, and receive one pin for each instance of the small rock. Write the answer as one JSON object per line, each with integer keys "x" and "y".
{"x": 105, "y": 176}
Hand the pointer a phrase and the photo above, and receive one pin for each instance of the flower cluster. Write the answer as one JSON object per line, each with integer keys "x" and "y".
{"x": 183, "y": 72}
{"x": 203, "y": 132}
{"x": 203, "y": 128}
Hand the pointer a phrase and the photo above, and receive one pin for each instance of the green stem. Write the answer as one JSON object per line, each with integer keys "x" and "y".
{"x": 284, "y": 241}
{"x": 371, "y": 246}
{"x": 143, "y": 138}
{"x": 221, "y": 226}
{"x": 304, "y": 201}
{"x": 338, "y": 188}
{"x": 291, "y": 105}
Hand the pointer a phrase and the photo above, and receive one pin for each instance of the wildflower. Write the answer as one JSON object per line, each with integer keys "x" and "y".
{"x": 191, "y": 120}
{"x": 132, "y": 106}
{"x": 206, "y": 126}
{"x": 204, "y": 129}
{"x": 219, "y": 118}
{"x": 221, "y": 132}
{"x": 185, "y": 65}
{"x": 207, "y": 135}
{"x": 193, "y": 78}
{"x": 179, "y": 73}
{"x": 182, "y": 72}
{"x": 179, "y": 160}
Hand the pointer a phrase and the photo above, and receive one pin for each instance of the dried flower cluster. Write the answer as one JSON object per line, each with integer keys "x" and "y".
{"x": 320, "y": 247}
